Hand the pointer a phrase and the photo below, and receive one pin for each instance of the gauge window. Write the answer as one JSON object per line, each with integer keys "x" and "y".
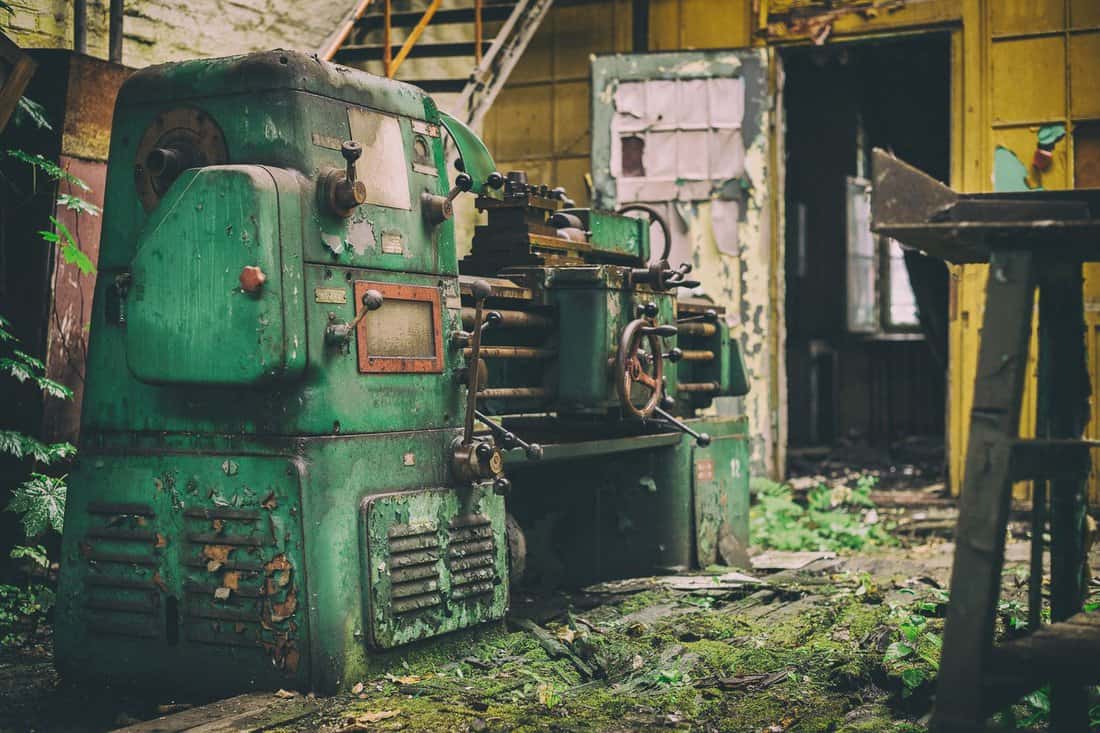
{"x": 383, "y": 167}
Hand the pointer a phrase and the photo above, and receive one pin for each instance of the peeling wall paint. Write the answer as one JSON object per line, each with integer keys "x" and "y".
{"x": 155, "y": 31}
{"x": 721, "y": 224}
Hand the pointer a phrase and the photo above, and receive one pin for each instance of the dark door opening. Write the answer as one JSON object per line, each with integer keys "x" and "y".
{"x": 866, "y": 320}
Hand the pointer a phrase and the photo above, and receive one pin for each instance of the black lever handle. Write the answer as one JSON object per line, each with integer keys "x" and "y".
{"x": 508, "y": 439}
{"x": 701, "y": 439}
{"x": 480, "y": 290}
{"x": 662, "y": 331}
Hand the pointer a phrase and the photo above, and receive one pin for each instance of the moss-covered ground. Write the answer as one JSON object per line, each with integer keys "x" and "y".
{"x": 800, "y": 652}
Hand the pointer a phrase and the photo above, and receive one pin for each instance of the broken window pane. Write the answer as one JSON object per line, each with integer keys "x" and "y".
{"x": 633, "y": 152}
{"x": 862, "y": 259}
{"x": 901, "y": 305}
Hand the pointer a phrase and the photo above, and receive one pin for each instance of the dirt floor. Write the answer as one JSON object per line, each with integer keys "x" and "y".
{"x": 846, "y": 643}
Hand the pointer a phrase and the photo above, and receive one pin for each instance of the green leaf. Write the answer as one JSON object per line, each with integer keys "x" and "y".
{"x": 17, "y": 369}
{"x": 41, "y": 502}
{"x": 913, "y": 677}
{"x": 70, "y": 250}
{"x": 24, "y": 446}
{"x": 29, "y": 111}
{"x": 51, "y": 169}
{"x": 54, "y": 389}
{"x": 36, "y": 554}
{"x": 897, "y": 650}
{"x": 77, "y": 204}
{"x": 910, "y": 632}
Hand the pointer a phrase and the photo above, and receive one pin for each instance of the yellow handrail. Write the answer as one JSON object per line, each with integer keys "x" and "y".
{"x": 387, "y": 55}
{"x": 413, "y": 36}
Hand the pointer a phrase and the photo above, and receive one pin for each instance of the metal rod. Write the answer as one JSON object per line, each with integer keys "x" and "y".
{"x": 701, "y": 439}
{"x": 114, "y": 45}
{"x": 414, "y": 35}
{"x": 513, "y": 393}
{"x": 337, "y": 40}
{"x": 696, "y": 355}
{"x": 80, "y": 26}
{"x": 697, "y": 387}
{"x": 640, "y": 23}
{"x": 478, "y": 31}
{"x": 509, "y": 319}
{"x": 696, "y": 329}
{"x": 472, "y": 373}
{"x": 511, "y": 352}
{"x": 387, "y": 52}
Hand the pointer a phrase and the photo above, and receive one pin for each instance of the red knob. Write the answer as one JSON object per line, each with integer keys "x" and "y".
{"x": 252, "y": 278}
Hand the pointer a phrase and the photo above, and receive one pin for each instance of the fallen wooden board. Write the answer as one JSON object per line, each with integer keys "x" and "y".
{"x": 247, "y": 712}
{"x": 778, "y": 560}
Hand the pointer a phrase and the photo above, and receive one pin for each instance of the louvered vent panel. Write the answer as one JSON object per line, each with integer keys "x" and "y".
{"x": 414, "y": 567}
{"x": 120, "y": 548}
{"x": 471, "y": 553}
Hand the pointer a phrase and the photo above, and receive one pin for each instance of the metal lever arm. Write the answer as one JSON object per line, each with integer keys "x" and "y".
{"x": 701, "y": 439}
{"x": 480, "y": 290}
{"x": 508, "y": 439}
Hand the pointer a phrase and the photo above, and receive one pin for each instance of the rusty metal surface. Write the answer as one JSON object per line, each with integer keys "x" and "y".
{"x": 922, "y": 213}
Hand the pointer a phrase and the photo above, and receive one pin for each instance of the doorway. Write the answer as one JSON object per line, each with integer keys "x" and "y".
{"x": 866, "y": 320}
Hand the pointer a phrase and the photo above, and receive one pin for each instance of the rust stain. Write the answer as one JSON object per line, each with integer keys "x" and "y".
{"x": 231, "y": 580}
{"x": 216, "y": 556}
{"x": 283, "y": 611}
{"x": 279, "y": 562}
{"x": 270, "y": 502}
{"x": 161, "y": 541}
{"x": 159, "y": 582}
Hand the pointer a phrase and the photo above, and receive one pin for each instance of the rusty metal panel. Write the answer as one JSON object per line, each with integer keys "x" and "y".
{"x": 434, "y": 561}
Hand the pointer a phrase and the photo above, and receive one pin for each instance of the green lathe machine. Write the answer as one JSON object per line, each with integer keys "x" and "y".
{"x": 309, "y": 440}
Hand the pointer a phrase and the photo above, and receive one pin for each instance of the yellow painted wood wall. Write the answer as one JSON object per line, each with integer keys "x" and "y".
{"x": 1038, "y": 63}
{"x": 1015, "y": 65}
{"x": 540, "y": 122}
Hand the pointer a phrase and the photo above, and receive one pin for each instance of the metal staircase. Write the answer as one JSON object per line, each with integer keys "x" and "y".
{"x": 461, "y": 51}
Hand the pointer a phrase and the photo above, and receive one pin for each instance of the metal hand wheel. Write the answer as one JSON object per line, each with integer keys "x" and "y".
{"x": 639, "y": 372}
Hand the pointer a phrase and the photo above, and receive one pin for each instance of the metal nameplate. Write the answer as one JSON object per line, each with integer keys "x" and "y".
{"x": 425, "y": 128}
{"x": 327, "y": 141}
{"x": 393, "y": 243}
{"x": 330, "y": 295}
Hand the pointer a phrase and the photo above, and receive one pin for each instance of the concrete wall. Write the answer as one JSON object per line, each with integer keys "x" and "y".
{"x": 155, "y": 31}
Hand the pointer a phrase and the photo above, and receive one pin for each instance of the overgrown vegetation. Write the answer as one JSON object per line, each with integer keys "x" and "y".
{"x": 841, "y": 517}
{"x": 39, "y": 500}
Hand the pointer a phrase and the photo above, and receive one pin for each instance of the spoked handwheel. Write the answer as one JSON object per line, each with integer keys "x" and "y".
{"x": 639, "y": 369}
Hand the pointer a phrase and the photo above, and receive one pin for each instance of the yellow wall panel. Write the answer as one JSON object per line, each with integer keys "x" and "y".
{"x": 1022, "y": 141}
{"x": 707, "y": 24}
{"x": 1028, "y": 82}
{"x": 1084, "y": 13}
{"x": 1027, "y": 16}
{"x": 582, "y": 30}
{"x": 572, "y": 119}
{"x": 664, "y": 25}
{"x": 525, "y": 127}
{"x": 1084, "y": 74}
{"x": 537, "y": 62}
{"x": 570, "y": 173}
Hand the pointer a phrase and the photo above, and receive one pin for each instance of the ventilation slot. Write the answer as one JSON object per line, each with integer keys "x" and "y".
{"x": 471, "y": 557}
{"x": 122, "y": 594}
{"x": 414, "y": 568}
{"x": 224, "y": 586}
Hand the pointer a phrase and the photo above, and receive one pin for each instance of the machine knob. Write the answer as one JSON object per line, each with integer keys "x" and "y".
{"x": 502, "y": 486}
{"x": 484, "y": 451}
{"x": 702, "y": 440}
{"x": 533, "y": 452}
{"x": 463, "y": 182}
{"x": 650, "y": 310}
{"x": 481, "y": 290}
{"x": 252, "y": 278}
{"x": 346, "y": 192}
{"x": 674, "y": 355}
{"x": 494, "y": 180}
{"x": 372, "y": 300}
